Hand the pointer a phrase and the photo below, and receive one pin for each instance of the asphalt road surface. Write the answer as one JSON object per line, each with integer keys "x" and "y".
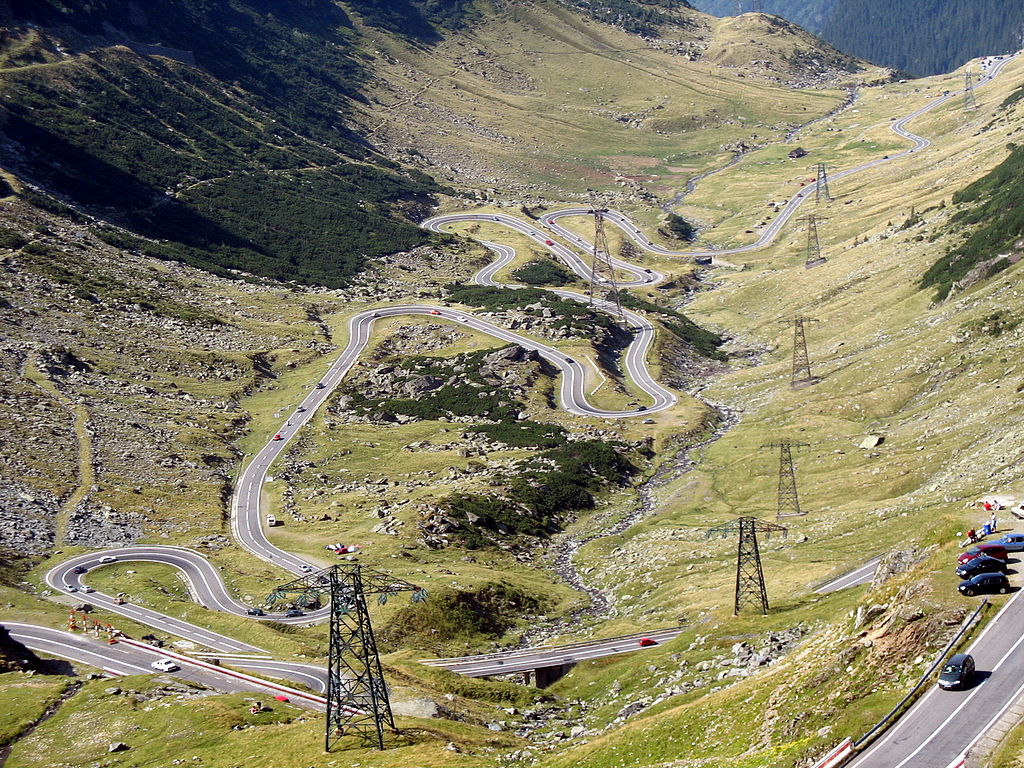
{"x": 942, "y": 725}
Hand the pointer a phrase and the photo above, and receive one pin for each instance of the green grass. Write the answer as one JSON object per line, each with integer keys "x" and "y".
{"x": 219, "y": 731}
{"x": 25, "y": 699}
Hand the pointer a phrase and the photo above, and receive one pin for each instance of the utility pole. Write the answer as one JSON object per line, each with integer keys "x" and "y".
{"x": 821, "y": 184}
{"x": 801, "y": 376}
{"x": 813, "y": 252}
{"x": 357, "y": 696}
{"x": 788, "y": 501}
{"x": 602, "y": 271}
{"x": 749, "y": 574}
{"x": 970, "y": 104}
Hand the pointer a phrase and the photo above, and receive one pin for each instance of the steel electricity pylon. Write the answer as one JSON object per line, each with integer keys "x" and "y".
{"x": 970, "y": 103}
{"x": 749, "y": 574}
{"x": 801, "y": 375}
{"x": 812, "y": 254}
{"x": 787, "y": 500}
{"x": 821, "y": 183}
{"x": 602, "y": 271}
{"x": 357, "y": 696}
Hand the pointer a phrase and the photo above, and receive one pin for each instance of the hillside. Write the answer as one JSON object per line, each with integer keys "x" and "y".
{"x": 920, "y": 38}
{"x": 141, "y": 376}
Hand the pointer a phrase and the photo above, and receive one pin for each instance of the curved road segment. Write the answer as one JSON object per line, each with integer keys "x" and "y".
{"x": 933, "y": 730}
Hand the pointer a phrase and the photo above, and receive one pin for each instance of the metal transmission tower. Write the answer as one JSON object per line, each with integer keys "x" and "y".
{"x": 788, "y": 501}
{"x": 821, "y": 183}
{"x": 357, "y": 697}
{"x": 813, "y": 252}
{"x": 801, "y": 376}
{"x": 749, "y": 575}
{"x": 602, "y": 271}
{"x": 970, "y": 104}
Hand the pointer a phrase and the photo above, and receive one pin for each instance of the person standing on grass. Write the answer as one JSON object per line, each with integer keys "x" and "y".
{"x": 993, "y": 521}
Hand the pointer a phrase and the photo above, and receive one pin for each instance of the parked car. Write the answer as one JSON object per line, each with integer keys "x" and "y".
{"x": 255, "y": 612}
{"x": 958, "y": 672}
{"x": 1011, "y": 542}
{"x": 984, "y": 582}
{"x": 981, "y": 564}
{"x": 991, "y": 549}
{"x": 164, "y": 665}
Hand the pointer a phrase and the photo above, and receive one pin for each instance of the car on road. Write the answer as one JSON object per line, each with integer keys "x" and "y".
{"x": 1011, "y": 542}
{"x": 647, "y": 271}
{"x": 301, "y": 409}
{"x": 70, "y": 587}
{"x": 958, "y": 672}
{"x": 982, "y": 564}
{"x": 108, "y": 559}
{"x": 164, "y": 665}
{"x": 375, "y": 314}
{"x": 255, "y": 612}
{"x": 306, "y": 568}
{"x": 293, "y": 613}
{"x": 984, "y": 582}
{"x": 497, "y": 219}
{"x": 88, "y": 590}
{"x": 119, "y": 600}
{"x": 990, "y": 549}
{"x": 462, "y": 319}
{"x": 435, "y": 312}
{"x": 646, "y": 642}
{"x": 320, "y": 385}
{"x": 642, "y": 408}
{"x": 549, "y": 242}
{"x": 80, "y": 570}
{"x": 278, "y": 436}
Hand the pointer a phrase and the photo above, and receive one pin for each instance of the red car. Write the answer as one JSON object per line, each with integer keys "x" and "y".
{"x": 646, "y": 641}
{"x": 549, "y": 242}
{"x": 434, "y": 312}
{"x": 997, "y": 551}
{"x": 278, "y": 436}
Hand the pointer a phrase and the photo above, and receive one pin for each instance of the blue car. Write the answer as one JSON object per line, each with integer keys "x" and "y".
{"x": 1012, "y": 542}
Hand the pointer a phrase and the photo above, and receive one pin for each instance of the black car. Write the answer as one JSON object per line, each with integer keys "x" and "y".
{"x": 255, "y": 612}
{"x": 983, "y": 564}
{"x": 958, "y": 672}
{"x": 984, "y": 582}
{"x": 81, "y": 570}
{"x": 293, "y": 613}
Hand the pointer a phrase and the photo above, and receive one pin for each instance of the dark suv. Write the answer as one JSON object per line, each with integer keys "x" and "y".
{"x": 984, "y": 582}
{"x": 958, "y": 672}
{"x": 981, "y": 564}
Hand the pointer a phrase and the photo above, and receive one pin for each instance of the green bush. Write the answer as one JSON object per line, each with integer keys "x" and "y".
{"x": 703, "y": 341}
{"x": 997, "y": 218}
{"x": 523, "y": 434}
{"x": 543, "y": 272}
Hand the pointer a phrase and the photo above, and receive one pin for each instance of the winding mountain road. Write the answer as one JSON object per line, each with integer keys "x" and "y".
{"x": 247, "y": 525}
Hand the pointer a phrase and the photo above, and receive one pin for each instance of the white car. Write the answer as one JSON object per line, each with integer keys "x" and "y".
{"x": 88, "y": 590}
{"x": 462, "y": 319}
{"x": 70, "y": 588}
{"x": 306, "y": 568}
{"x": 108, "y": 559}
{"x": 164, "y": 665}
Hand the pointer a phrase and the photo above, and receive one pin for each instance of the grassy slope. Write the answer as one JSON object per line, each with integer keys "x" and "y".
{"x": 931, "y": 379}
{"x": 539, "y": 93}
